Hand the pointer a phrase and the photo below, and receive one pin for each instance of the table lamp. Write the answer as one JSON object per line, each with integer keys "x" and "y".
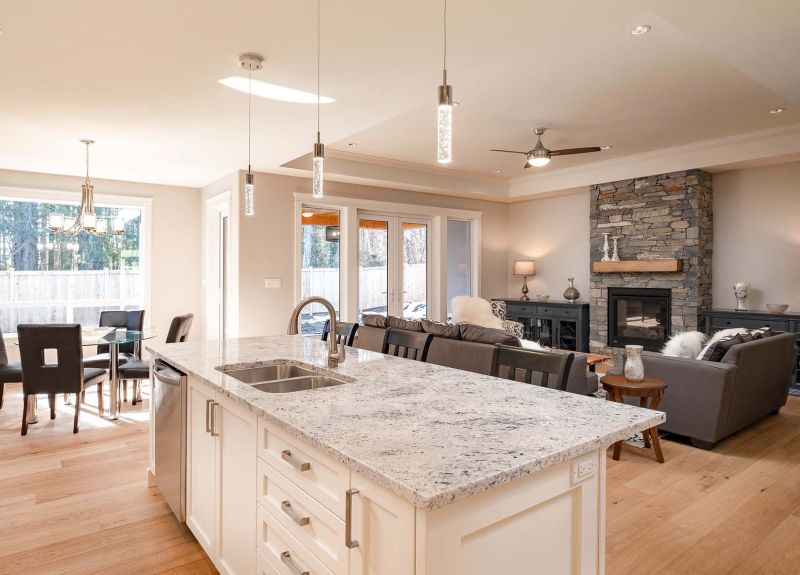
{"x": 524, "y": 268}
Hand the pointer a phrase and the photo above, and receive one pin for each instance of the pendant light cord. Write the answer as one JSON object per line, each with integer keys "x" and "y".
{"x": 249, "y": 121}
{"x": 444, "y": 26}
{"x": 318, "y": 52}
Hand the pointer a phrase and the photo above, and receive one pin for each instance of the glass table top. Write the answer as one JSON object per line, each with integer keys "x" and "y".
{"x": 105, "y": 336}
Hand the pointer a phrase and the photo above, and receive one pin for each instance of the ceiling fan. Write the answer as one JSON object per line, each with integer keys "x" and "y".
{"x": 540, "y": 156}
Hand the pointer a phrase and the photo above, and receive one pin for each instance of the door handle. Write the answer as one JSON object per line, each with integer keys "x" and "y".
{"x": 286, "y": 507}
{"x": 286, "y": 559}
{"x": 348, "y": 519}
{"x": 287, "y": 456}
{"x": 208, "y": 417}
{"x": 214, "y": 432}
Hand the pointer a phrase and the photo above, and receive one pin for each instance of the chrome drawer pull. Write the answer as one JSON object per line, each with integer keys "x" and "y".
{"x": 286, "y": 507}
{"x": 286, "y": 559}
{"x": 348, "y": 519}
{"x": 208, "y": 418}
{"x": 287, "y": 456}
{"x": 214, "y": 432}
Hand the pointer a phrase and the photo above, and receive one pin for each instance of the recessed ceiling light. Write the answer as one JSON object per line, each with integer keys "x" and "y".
{"x": 456, "y": 103}
{"x": 777, "y": 110}
{"x": 352, "y": 144}
{"x": 640, "y": 29}
{"x": 497, "y": 171}
{"x": 273, "y": 91}
{"x": 606, "y": 147}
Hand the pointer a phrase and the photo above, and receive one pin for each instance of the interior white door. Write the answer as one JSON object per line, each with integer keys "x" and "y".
{"x": 201, "y": 466}
{"x": 217, "y": 260}
{"x": 236, "y": 433}
{"x": 383, "y": 525}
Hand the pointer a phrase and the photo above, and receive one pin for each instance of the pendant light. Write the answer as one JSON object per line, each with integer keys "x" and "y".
{"x": 317, "y": 173}
{"x": 250, "y": 62}
{"x": 444, "y": 112}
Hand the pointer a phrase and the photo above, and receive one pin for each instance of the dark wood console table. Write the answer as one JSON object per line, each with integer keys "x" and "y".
{"x": 558, "y": 324}
{"x": 718, "y": 319}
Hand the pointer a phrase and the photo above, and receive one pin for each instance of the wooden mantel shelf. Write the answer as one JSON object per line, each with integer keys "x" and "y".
{"x": 666, "y": 266}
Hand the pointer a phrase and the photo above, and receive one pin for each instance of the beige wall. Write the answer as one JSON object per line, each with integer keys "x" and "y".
{"x": 757, "y": 235}
{"x": 266, "y": 248}
{"x": 554, "y": 232}
{"x": 175, "y": 228}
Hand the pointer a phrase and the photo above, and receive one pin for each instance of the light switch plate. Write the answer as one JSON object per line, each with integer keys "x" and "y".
{"x": 271, "y": 283}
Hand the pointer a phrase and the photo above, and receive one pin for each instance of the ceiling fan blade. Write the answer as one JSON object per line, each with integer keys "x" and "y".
{"x": 510, "y": 152}
{"x": 569, "y": 151}
{"x": 527, "y": 165}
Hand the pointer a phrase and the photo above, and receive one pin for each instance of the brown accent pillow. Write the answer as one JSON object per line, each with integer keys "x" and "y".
{"x": 405, "y": 324}
{"x": 717, "y": 351}
{"x": 480, "y": 334}
{"x": 762, "y": 332}
{"x": 439, "y": 329}
{"x": 374, "y": 320}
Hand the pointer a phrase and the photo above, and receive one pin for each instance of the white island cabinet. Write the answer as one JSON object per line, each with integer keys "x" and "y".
{"x": 406, "y": 469}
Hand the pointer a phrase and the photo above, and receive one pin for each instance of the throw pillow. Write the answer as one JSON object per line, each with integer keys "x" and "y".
{"x": 374, "y": 320}
{"x": 725, "y": 333}
{"x": 480, "y": 334}
{"x": 474, "y": 310}
{"x": 405, "y": 324}
{"x": 761, "y": 332}
{"x": 439, "y": 329}
{"x": 718, "y": 349}
{"x": 499, "y": 308}
{"x": 688, "y": 344}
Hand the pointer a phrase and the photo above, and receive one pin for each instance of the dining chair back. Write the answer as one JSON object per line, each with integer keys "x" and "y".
{"x": 407, "y": 344}
{"x": 132, "y": 320}
{"x": 530, "y": 366}
{"x": 9, "y": 372}
{"x": 344, "y": 332}
{"x": 179, "y": 328}
{"x": 66, "y": 375}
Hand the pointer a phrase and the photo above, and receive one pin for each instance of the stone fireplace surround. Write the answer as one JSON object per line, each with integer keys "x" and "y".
{"x": 664, "y": 216}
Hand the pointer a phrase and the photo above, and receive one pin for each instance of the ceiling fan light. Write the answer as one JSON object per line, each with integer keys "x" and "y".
{"x": 538, "y": 162}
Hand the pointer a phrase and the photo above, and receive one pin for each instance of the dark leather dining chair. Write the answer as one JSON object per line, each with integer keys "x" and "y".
{"x": 132, "y": 320}
{"x": 139, "y": 369}
{"x": 344, "y": 332}
{"x": 9, "y": 372}
{"x": 66, "y": 375}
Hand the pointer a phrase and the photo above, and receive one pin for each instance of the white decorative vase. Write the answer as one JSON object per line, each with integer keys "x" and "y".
{"x": 741, "y": 290}
{"x": 634, "y": 367}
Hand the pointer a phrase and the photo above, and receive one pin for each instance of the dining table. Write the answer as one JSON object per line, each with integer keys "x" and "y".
{"x": 113, "y": 338}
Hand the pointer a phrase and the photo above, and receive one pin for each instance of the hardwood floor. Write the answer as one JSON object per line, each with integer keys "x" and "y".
{"x": 78, "y": 504}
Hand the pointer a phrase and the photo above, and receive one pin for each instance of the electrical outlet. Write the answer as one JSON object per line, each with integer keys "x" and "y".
{"x": 271, "y": 283}
{"x": 583, "y": 469}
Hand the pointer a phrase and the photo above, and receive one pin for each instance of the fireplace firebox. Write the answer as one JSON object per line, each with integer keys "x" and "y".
{"x": 639, "y": 316}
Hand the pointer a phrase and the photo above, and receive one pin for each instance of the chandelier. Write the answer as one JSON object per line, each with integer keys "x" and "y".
{"x": 87, "y": 220}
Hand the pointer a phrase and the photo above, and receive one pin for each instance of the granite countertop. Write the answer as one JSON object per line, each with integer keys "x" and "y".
{"x": 428, "y": 433}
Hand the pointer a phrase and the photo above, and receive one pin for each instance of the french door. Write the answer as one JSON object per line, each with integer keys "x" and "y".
{"x": 393, "y": 265}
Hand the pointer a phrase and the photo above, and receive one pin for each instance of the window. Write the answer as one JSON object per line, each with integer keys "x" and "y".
{"x": 320, "y": 265}
{"x": 459, "y": 260}
{"x": 48, "y": 277}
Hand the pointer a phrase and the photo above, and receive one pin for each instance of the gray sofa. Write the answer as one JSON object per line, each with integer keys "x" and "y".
{"x": 474, "y": 357}
{"x": 707, "y": 401}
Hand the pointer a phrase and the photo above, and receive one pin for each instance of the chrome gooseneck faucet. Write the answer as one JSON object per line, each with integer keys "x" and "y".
{"x": 335, "y": 357}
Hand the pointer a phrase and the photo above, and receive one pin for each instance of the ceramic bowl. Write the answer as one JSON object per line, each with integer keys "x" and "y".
{"x": 777, "y": 307}
{"x": 541, "y": 297}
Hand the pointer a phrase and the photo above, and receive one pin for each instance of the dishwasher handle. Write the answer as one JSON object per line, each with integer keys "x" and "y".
{"x": 165, "y": 374}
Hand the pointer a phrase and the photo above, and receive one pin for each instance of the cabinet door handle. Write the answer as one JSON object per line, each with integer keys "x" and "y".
{"x": 214, "y": 432}
{"x": 287, "y": 456}
{"x": 286, "y": 507}
{"x": 348, "y": 519}
{"x": 208, "y": 417}
{"x": 286, "y": 559}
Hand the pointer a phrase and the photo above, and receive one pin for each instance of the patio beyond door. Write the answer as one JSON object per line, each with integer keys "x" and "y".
{"x": 393, "y": 274}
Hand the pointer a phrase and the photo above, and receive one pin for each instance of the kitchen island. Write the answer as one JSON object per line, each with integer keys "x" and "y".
{"x": 408, "y": 468}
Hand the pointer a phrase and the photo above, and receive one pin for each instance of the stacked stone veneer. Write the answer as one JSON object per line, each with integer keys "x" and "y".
{"x": 669, "y": 216}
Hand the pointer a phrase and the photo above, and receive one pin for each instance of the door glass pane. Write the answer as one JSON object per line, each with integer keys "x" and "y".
{"x": 320, "y": 265}
{"x": 373, "y": 257}
{"x": 459, "y": 261}
{"x": 415, "y": 277}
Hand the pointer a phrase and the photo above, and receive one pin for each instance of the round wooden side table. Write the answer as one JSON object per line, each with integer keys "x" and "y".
{"x": 649, "y": 391}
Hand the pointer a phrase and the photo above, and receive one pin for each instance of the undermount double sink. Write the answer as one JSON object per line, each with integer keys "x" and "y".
{"x": 281, "y": 378}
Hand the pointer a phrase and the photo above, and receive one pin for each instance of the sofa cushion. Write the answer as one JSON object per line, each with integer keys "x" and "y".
{"x": 717, "y": 350}
{"x": 480, "y": 334}
{"x": 439, "y": 329}
{"x": 404, "y": 324}
{"x": 374, "y": 320}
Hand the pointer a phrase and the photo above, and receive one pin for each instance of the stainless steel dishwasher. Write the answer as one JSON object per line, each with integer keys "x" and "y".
{"x": 169, "y": 391}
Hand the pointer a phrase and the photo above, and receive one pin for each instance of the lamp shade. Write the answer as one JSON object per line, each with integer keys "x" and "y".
{"x": 524, "y": 268}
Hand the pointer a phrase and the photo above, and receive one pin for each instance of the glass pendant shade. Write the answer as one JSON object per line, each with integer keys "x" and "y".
{"x": 444, "y": 125}
{"x": 102, "y": 227}
{"x": 118, "y": 226}
{"x": 55, "y": 222}
{"x": 318, "y": 173}
{"x": 89, "y": 221}
{"x": 249, "y": 195}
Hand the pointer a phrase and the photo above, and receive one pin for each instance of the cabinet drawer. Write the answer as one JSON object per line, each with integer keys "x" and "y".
{"x": 305, "y": 518}
{"x": 513, "y": 308}
{"x": 718, "y": 323}
{"x": 315, "y": 473}
{"x": 277, "y": 548}
{"x": 558, "y": 311}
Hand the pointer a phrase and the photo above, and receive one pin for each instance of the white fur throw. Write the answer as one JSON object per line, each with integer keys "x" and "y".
{"x": 719, "y": 335}
{"x": 474, "y": 310}
{"x": 687, "y": 344}
{"x": 535, "y": 345}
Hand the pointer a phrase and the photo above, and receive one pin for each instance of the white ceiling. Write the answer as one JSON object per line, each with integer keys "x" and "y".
{"x": 141, "y": 79}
